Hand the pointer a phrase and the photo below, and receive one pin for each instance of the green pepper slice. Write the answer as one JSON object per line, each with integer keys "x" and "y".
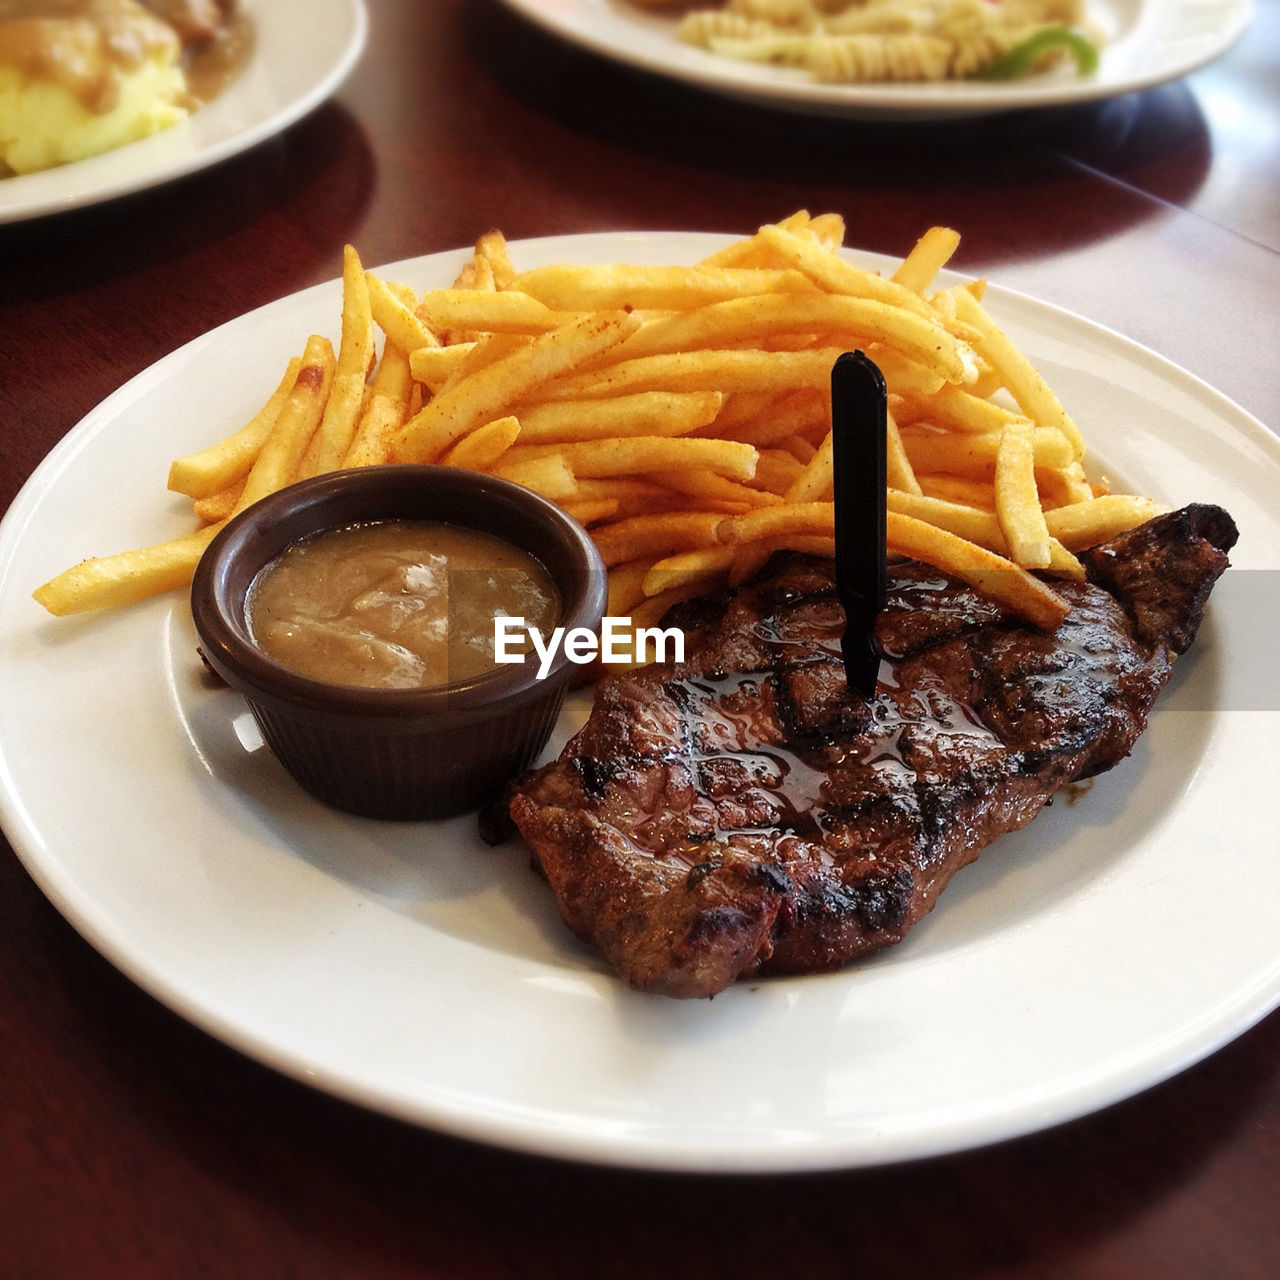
{"x": 1017, "y": 62}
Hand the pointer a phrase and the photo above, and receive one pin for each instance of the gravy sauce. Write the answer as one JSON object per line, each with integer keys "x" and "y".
{"x": 212, "y": 64}
{"x": 396, "y": 604}
{"x": 88, "y": 46}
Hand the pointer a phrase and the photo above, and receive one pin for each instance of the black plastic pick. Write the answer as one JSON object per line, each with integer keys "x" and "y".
{"x": 859, "y": 417}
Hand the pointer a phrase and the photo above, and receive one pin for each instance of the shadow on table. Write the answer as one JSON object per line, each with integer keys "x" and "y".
{"x": 967, "y": 172}
{"x": 252, "y": 213}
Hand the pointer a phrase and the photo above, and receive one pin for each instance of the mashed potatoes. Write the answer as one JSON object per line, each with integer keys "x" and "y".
{"x": 82, "y": 76}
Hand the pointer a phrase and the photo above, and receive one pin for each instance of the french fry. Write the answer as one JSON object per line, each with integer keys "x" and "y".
{"x": 753, "y": 252}
{"x": 481, "y": 449}
{"x": 328, "y": 446}
{"x": 904, "y": 377}
{"x": 489, "y": 310}
{"x": 994, "y": 575}
{"x": 646, "y": 413}
{"x": 219, "y": 506}
{"x": 1017, "y": 373}
{"x": 987, "y": 382}
{"x": 635, "y": 496}
{"x": 466, "y": 402}
{"x": 475, "y": 276}
{"x": 930, "y": 254}
{"x": 1063, "y": 564}
{"x": 1085, "y": 524}
{"x": 203, "y": 474}
{"x": 626, "y": 586}
{"x": 776, "y": 470}
{"x": 434, "y": 366}
{"x": 587, "y": 511}
{"x": 480, "y": 352}
{"x": 765, "y": 418}
{"x": 974, "y": 456}
{"x": 277, "y": 462}
{"x": 827, "y": 229}
{"x": 1018, "y": 499}
{"x": 831, "y": 272}
{"x": 629, "y": 455}
{"x": 630, "y": 491}
{"x": 396, "y": 318}
{"x": 916, "y": 334}
{"x": 476, "y": 272}
{"x": 973, "y": 524}
{"x": 707, "y": 486}
{"x": 492, "y": 247}
{"x": 550, "y": 476}
{"x": 815, "y": 482}
{"x": 611, "y": 287}
{"x": 1059, "y": 487}
{"x": 972, "y": 493}
{"x": 386, "y": 411}
{"x": 976, "y": 525}
{"x": 687, "y": 567}
{"x": 899, "y": 474}
{"x": 741, "y": 410}
{"x": 106, "y": 582}
{"x": 656, "y": 535}
{"x": 799, "y": 448}
{"x": 731, "y": 370}
{"x": 960, "y": 409}
{"x": 786, "y": 519}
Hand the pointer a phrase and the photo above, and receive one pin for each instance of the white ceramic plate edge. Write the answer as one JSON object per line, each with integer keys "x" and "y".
{"x": 177, "y": 152}
{"x": 643, "y": 41}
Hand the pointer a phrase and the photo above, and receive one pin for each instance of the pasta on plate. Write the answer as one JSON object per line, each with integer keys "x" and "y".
{"x": 863, "y": 41}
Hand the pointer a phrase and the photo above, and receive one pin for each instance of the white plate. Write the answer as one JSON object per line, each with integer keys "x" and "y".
{"x": 416, "y": 971}
{"x": 1150, "y": 42}
{"x": 303, "y": 50}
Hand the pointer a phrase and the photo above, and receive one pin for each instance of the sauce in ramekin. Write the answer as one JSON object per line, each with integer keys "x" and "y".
{"x": 396, "y": 604}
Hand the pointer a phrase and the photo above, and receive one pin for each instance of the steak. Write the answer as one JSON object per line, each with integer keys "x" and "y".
{"x": 743, "y": 812}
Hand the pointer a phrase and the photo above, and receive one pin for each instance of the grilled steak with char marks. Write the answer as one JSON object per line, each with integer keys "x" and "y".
{"x": 745, "y": 813}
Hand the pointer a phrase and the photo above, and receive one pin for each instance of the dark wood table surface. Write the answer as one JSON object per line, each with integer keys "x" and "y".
{"x": 133, "y": 1145}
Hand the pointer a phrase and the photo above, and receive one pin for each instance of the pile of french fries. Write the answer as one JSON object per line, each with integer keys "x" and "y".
{"x": 681, "y": 413}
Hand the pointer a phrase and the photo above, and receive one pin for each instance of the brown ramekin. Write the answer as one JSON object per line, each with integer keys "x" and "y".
{"x": 396, "y": 753}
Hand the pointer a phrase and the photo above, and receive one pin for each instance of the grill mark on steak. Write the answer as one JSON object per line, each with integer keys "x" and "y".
{"x": 745, "y": 813}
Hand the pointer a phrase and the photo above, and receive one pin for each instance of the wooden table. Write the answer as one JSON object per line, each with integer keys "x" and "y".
{"x": 132, "y": 1145}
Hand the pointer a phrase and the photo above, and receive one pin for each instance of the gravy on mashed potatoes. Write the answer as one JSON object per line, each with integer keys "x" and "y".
{"x": 396, "y": 604}
{"x": 78, "y": 77}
